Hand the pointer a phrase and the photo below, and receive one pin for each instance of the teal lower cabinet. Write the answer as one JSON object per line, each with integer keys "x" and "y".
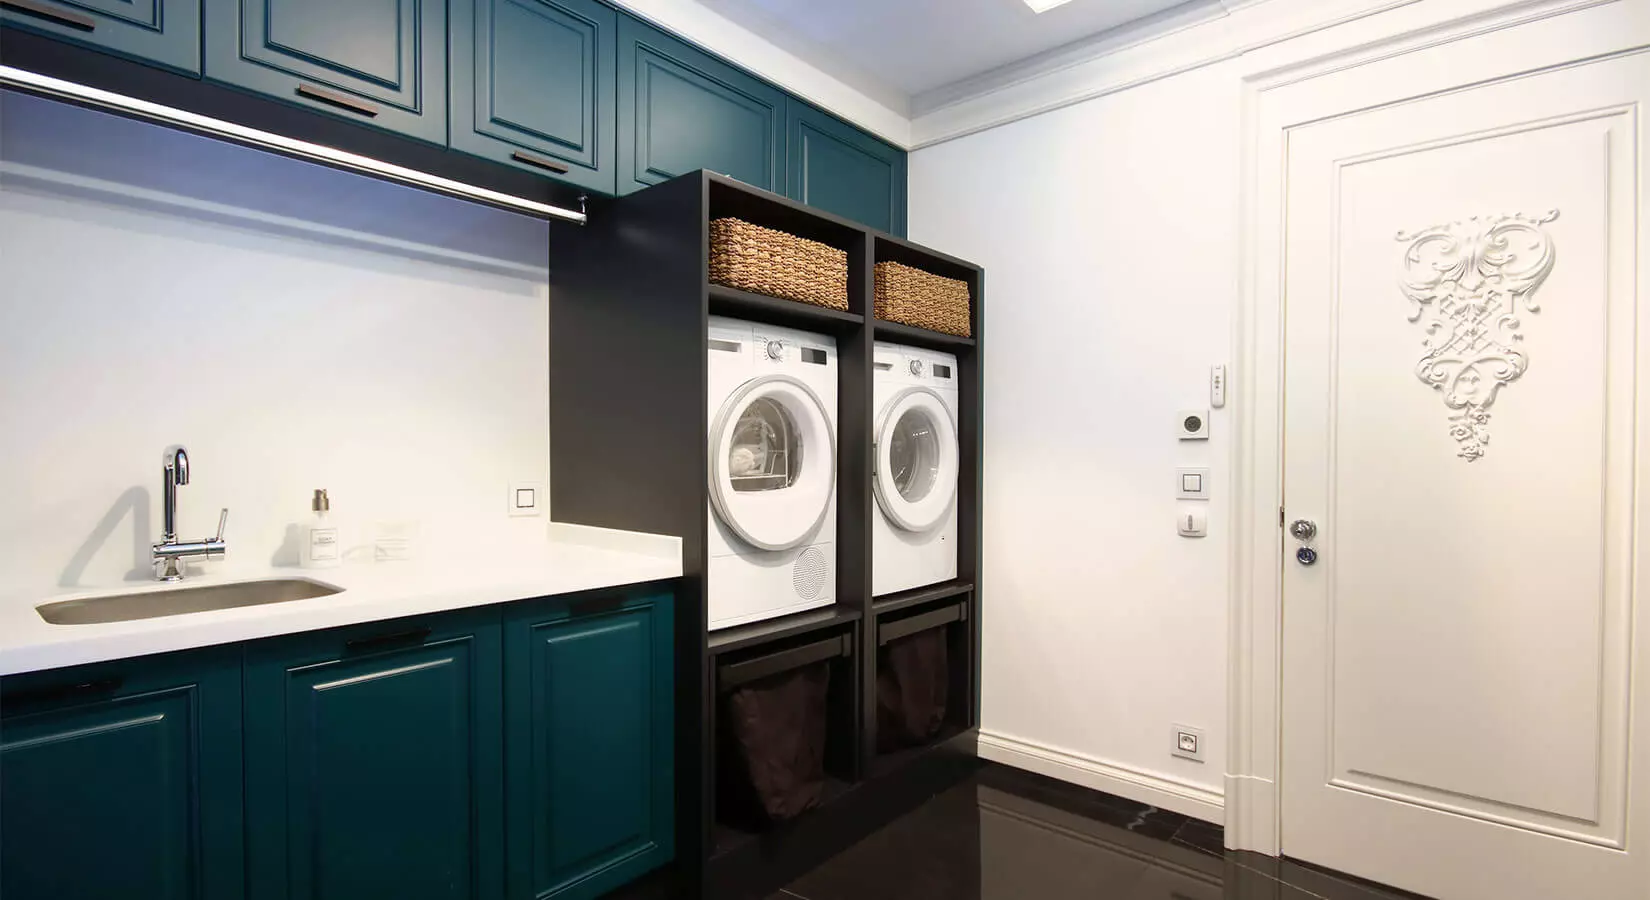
{"x": 840, "y": 169}
{"x": 588, "y": 744}
{"x": 373, "y": 762}
{"x": 163, "y": 32}
{"x": 123, "y": 780}
{"x": 519, "y": 751}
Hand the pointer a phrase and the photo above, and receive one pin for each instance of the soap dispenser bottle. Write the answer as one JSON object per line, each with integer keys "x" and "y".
{"x": 321, "y": 546}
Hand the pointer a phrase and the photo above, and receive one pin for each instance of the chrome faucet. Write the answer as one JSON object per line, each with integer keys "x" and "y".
{"x": 169, "y": 551}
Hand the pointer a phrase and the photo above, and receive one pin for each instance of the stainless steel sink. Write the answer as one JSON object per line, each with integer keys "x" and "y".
{"x": 179, "y": 601}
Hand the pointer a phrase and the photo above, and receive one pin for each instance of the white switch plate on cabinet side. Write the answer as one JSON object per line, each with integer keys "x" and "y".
{"x": 1217, "y": 386}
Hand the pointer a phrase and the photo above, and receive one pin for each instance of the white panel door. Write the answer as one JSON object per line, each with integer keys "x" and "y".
{"x": 1465, "y": 386}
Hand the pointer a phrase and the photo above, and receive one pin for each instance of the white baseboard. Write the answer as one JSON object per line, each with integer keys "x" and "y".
{"x": 1193, "y": 800}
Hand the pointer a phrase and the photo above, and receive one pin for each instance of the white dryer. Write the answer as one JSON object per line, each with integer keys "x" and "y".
{"x": 916, "y": 461}
{"x": 772, "y": 473}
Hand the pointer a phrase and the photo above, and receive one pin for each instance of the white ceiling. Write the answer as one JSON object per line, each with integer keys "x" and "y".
{"x": 908, "y": 47}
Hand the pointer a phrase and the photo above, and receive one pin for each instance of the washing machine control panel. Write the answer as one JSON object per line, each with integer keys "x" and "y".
{"x": 916, "y": 367}
{"x": 776, "y": 350}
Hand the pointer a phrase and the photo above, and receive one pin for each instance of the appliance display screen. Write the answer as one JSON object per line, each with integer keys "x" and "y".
{"x": 812, "y": 355}
{"x": 942, "y": 371}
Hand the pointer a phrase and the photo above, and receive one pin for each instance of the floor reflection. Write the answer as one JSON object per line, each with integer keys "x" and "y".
{"x": 1010, "y": 835}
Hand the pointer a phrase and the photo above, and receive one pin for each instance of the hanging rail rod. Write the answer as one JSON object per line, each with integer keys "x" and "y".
{"x": 47, "y": 86}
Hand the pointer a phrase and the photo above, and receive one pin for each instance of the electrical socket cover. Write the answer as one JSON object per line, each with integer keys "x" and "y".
{"x": 1187, "y": 742}
{"x": 1192, "y": 425}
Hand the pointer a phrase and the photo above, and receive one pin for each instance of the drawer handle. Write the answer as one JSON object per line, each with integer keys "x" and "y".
{"x": 540, "y": 161}
{"x": 381, "y": 641}
{"x": 336, "y": 99}
{"x": 52, "y": 13}
{"x": 60, "y": 692}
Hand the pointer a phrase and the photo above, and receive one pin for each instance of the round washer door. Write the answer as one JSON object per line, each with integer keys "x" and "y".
{"x": 916, "y": 459}
{"x": 772, "y": 462}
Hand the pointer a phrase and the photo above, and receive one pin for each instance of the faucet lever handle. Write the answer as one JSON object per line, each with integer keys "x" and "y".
{"x": 223, "y": 518}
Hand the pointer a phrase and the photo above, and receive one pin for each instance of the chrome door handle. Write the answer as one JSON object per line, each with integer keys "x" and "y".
{"x": 1303, "y": 529}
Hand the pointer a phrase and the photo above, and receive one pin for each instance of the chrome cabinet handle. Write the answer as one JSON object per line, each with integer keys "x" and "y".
{"x": 51, "y": 13}
{"x": 1303, "y": 529}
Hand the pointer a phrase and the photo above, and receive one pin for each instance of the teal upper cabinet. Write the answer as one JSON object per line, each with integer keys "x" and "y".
{"x": 167, "y": 32}
{"x": 840, "y": 169}
{"x": 381, "y": 62}
{"x": 123, "y": 780}
{"x": 533, "y": 86}
{"x": 373, "y": 762}
{"x": 588, "y": 745}
{"x": 681, "y": 109}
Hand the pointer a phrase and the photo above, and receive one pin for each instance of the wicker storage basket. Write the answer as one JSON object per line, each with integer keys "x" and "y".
{"x": 914, "y": 297}
{"x": 764, "y": 261}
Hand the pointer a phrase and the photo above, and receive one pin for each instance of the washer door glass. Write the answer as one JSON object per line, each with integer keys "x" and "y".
{"x": 772, "y": 462}
{"x": 916, "y": 460}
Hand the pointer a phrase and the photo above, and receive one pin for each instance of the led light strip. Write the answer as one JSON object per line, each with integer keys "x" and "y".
{"x": 56, "y": 87}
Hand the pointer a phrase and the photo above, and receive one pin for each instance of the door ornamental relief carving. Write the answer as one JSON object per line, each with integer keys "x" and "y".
{"x": 1466, "y": 281}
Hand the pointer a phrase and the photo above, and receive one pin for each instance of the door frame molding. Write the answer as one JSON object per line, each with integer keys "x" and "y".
{"x": 1374, "y": 74}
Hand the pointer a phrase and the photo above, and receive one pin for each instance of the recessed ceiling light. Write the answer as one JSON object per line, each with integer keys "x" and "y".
{"x": 1041, "y": 6}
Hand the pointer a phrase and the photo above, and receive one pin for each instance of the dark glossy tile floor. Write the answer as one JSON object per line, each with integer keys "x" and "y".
{"x": 1005, "y": 834}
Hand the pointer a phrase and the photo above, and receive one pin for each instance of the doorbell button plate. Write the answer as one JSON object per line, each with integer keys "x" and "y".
{"x": 1192, "y": 425}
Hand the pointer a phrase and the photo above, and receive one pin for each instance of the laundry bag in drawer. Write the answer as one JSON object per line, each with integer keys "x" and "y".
{"x": 772, "y": 746}
{"x": 913, "y": 687}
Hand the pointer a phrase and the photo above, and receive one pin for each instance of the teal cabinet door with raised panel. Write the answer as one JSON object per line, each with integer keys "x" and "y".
{"x": 589, "y": 743}
{"x": 378, "y": 62}
{"x": 681, "y": 109}
{"x": 373, "y": 762}
{"x": 840, "y": 169}
{"x": 533, "y": 86}
{"x": 123, "y": 780}
{"x": 164, "y": 32}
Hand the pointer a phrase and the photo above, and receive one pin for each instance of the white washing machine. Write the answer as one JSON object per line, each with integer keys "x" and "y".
{"x": 772, "y": 474}
{"x": 917, "y": 460}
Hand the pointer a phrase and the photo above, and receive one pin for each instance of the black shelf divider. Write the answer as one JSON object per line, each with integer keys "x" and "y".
{"x": 920, "y": 337}
{"x": 891, "y": 603}
{"x": 744, "y": 637}
{"x": 727, "y": 301}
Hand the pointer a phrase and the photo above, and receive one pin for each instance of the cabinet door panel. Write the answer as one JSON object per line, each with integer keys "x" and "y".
{"x": 681, "y": 109}
{"x": 143, "y": 777}
{"x": 590, "y": 748}
{"x": 840, "y": 169}
{"x": 166, "y": 32}
{"x": 380, "y": 62}
{"x": 536, "y": 76}
{"x": 374, "y": 772}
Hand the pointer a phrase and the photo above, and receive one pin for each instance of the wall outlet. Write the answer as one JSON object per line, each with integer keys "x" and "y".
{"x": 1187, "y": 742}
{"x": 526, "y": 498}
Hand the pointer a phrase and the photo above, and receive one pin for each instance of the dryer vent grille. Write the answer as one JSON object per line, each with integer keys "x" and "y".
{"x": 808, "y": 576}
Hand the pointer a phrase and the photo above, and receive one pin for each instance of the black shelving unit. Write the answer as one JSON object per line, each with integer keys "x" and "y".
{"x": 629, "y": 302}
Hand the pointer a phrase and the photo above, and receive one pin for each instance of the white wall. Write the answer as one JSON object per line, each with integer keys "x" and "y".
{"x": 1106, "y": 203}
{"x": 1107, "y": 234}
{"x": 296, "y": 327}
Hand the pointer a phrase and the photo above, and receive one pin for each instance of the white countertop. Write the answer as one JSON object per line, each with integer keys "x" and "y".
{"x": 573, "y": 558}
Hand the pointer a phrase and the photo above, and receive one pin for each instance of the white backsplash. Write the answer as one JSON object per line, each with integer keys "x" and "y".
{"x": 295, "y": 327}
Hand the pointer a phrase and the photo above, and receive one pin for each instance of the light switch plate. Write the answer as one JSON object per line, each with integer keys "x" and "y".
{"x": 1192, "y": 483}
{"x": 1187, "y": 743}
{"x": 526, "y": 498}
